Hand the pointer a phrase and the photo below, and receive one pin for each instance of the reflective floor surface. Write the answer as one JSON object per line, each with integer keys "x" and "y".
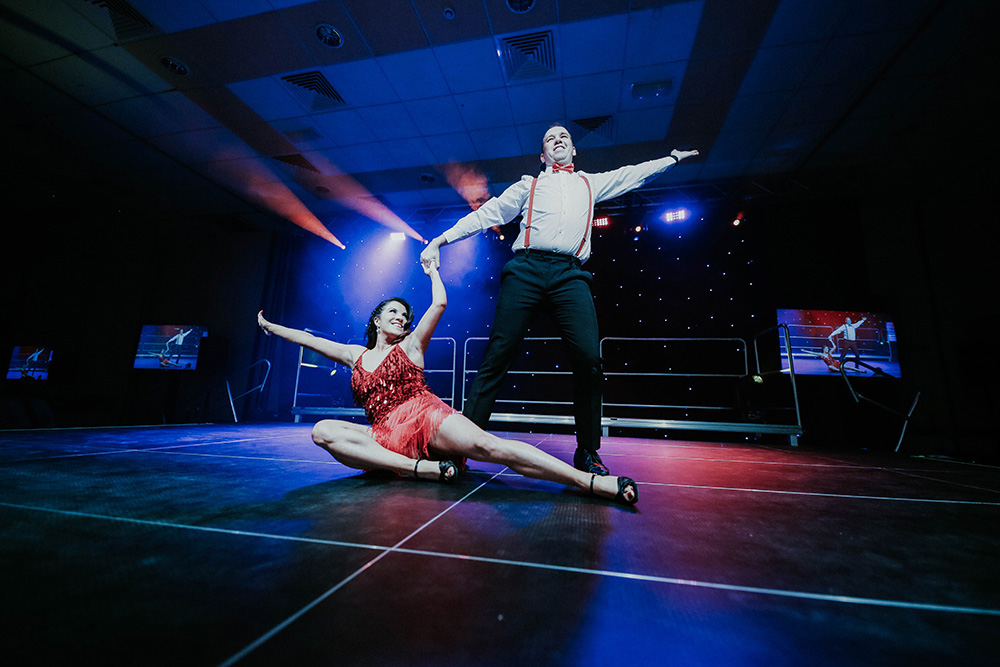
{"x": 248, "y": 545}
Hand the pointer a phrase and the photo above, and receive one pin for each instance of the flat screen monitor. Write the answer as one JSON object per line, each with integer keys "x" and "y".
{"x": 29, "y": 362}
{"x": 824, "y": 340}
{"x": 169, "y": 346}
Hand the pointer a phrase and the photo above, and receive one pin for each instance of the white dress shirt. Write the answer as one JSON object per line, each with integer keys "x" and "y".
{"x": 562, "y": 209}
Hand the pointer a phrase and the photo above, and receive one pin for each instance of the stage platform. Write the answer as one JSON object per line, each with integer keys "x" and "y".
{"x": 248, "y": 545}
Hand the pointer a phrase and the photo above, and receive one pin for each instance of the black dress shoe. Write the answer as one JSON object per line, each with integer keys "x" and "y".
{"x": 589, "y": 461}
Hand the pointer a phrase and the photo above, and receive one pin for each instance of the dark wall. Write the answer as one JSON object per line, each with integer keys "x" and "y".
{"x": 84, "y": 284}
{"x": 916, "y": 244}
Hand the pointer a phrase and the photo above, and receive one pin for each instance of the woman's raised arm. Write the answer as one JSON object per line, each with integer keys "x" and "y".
{"x": 342, "y": 354}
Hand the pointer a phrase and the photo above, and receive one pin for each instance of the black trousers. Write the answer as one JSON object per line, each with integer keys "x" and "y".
{"x": 848, "y": 346}
{"x": 533, "y": 282}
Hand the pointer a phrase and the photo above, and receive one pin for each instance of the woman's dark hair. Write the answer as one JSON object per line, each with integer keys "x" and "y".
{"x": 371, "y": 333}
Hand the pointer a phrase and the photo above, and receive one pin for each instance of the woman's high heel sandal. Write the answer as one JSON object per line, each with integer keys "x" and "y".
{"x": 444, "y": 467}
{"x": 623, "y": 484}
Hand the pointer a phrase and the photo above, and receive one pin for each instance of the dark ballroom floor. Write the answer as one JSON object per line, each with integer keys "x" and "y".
{"x": 246, "y": 544}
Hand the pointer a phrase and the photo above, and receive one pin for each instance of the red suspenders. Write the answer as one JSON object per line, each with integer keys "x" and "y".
{"x": 590, "y": 214}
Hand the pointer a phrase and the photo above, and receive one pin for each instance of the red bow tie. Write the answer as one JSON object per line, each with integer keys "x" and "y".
{"x": 568, "y": 168}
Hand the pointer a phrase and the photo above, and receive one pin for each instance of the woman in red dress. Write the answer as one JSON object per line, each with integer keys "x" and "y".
{"x": 409, "y": 424}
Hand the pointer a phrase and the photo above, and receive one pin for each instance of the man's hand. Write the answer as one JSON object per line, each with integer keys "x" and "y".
{"x": 431, "y": 255}
{"x": 680, "y": 155}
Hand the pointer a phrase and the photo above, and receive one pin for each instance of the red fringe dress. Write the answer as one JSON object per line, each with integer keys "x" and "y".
{"x": 403, "y": 412}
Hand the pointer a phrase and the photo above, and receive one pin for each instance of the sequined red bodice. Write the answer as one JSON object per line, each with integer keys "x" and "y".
{"x": 396, "y": 380}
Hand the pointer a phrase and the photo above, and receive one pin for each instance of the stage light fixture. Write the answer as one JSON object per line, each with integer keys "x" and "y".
{"x": 738, "y": 219}
{"x": 675, "y": 215}
{"x": 603, "y": 221}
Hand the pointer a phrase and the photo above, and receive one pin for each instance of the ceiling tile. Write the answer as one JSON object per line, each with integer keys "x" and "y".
{"x": 303, "y": 20}
{"x": 791, "y": 142}
{"x": 176, "y": 15}
{"x": 131, "y": 156}
{"x": 670, "y": 73}
{"x": 343, "y": 127}
{"x": 498, "y": 142}
{"x": 853, "y": 58}
{"x": 412, "y": 152}
{"x": 735, "y": 149}
{"x": 797, "y": 21}
{"x": 367, "y": 157}
{"x": 756, "y": 113}
{"x": 504, "y": 20}
{"x": 865, "y": 16}
{"x": 589, "y": 47}
{"x": 85, "y": 128}
{"x": 203, "y": 146}
{"x": 438, "y": 115}
{"x": 576, "y": 10}
{"x": 361, "y": 83}
{"x": 102, "y": 76}
{"x": 388, "y": 26}
{"x": 414, "y": 75}
{"x": 268, "y": 97}
{"x": 302, "y": 132}
{"x": 468, "y": 20}
{"x": 484, "y": 109}
{"x": 662, "y": 35}
{"x": 781, "y": 67}
{"x": 37, "y": 32}
{"x": 594, "y": 95}
{"x": 820, "y": 104}
{"x": 442, "y": 197}
{"x": 470, "y": 66}
{"x": 530, "y": 136}
{"x": 270, "y": 42}
{"x": 388, "y": 121}
{"x": 642, "y": 125}
{"x": 227, "y": 10}
{"x": 537, "y": 102}
{"x": 215, "y": 55}
{"x": 28, "y": 97}
{"x": 456, "y": 147}
{"x": 164, "y": 113}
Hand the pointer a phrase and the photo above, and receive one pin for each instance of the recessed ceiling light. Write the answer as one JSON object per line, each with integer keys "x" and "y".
{"x": 329, "y": 36}
{"x": 174, "y": 65}
{"x": 645, "y": 91}
{"x": 520, "y": 6}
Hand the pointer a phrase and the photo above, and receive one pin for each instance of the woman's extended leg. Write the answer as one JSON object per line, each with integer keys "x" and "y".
{"x": 460, "y": 437}
{"x": 352, "y": 445}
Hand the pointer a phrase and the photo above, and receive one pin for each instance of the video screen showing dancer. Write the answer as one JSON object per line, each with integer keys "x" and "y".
{"x": 169, "y": 346}
{"x": 29, "y": 362}
{"x": 824, "y": 341}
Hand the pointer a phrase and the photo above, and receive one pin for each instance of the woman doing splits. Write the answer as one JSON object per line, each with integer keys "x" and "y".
{"x": 409, "y": 424}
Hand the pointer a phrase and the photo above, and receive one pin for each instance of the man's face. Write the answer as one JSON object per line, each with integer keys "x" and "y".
{"x": 848, "y": 320}
{"x": 557, "y": 146}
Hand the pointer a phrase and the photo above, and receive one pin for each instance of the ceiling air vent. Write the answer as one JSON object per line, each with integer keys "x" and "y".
{"x": 297, "y": 160}
{"x": 117, "y": 19}
{"x": 528, "y": 56}
{"x": 303, "y": 136}
{"x": 600, "y": 126}
{"x": 313, "y": 91}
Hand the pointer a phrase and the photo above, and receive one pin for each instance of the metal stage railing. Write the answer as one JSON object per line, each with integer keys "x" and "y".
{"x": 231, "y": 400}
{"x": 300, "y": 397}
{"x": 861, "y": 397}
{"x": 639, "y": 412}
{"x": 725, "y": 372}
